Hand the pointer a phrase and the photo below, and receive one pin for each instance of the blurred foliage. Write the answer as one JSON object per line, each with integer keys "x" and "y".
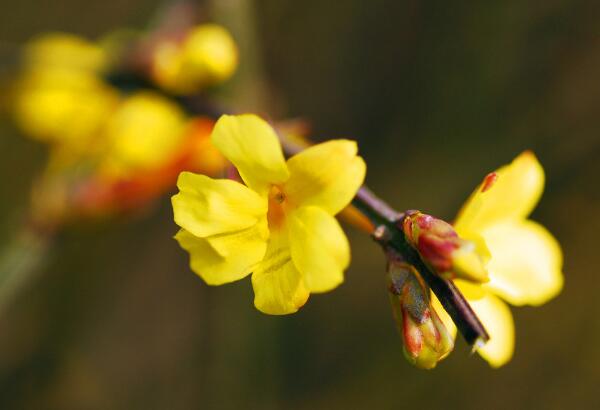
{"x": 437, "y": 94}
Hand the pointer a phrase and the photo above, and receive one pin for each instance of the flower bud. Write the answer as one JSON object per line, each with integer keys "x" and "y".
{"x": 206, "y": 56}
{"x": 426, "y": 339}
{"x": 443, "y": 250}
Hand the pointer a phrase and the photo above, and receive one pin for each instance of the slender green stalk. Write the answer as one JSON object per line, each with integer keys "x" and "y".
{"x": 20, "y": 261}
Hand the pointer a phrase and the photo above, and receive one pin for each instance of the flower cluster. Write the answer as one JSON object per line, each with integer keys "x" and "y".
{"x": 113, "y": 148}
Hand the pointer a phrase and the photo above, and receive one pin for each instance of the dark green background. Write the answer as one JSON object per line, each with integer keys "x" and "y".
{"x": 438, "y": 93}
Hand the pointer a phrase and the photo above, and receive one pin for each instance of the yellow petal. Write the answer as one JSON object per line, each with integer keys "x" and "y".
{"x": 253, "y": 147}
{"x": 206, "y": 206}
{"x": 228, "y": 244}
{"x": 319, "y": 248}
{"x": 216, "y": 269}
{"x": 470, "y": 290}
{"x": 497, "y": 320}
{"x": 526, "y": 263}
{"x": 278, "y": 286}
{"x": 467, "y": 263}
{"x": 513, "y": 195}
{"x": 444, "y": 316}
{"x": 326, "y": 175}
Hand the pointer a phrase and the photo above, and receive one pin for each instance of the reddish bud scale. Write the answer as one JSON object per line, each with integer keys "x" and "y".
{"x": 413, "y": 339}
{"x": 425, "y": 338}
{"x": 438, "y": 252}
{"x": 435, "y": 239}
{"x": 489, "y": 181}
{"x": 441, "y": 248}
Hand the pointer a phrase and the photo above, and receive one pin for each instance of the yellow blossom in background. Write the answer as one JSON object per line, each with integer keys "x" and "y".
{"x": 62, "y": 106}
{"x": 207, "y": 56}
{"x": 59, "y": 97}
{"x": 144, "y": 131}
{"x": 279, "y": 225}
{"x": 66, "y": 51}
{"x": 525, "y": 267}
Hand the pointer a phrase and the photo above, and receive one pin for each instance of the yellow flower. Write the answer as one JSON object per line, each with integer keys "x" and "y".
{"x": 526, "y": 260}
{"x": 207, "y": 56}
{"x": 279, "y": 225}
{"x": 59, "y": 97}
{"x": 62, "y": 106}
{"x": 145, "y": 131}
{"x": 63, "y": 50}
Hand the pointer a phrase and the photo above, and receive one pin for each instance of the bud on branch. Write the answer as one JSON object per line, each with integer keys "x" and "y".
{"x": 442, "y": 249}
{"x": 426, "y": 339}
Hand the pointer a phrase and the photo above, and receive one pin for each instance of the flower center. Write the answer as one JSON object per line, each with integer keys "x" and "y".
{"x": 277, "y": 205}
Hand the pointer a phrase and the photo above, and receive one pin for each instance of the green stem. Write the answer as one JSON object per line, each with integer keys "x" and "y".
{"x": 20, "y": 260}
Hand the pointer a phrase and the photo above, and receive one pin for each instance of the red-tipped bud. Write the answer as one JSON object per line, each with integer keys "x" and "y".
{"x": 442, "y": 249}
{"x": 426, "y": 339}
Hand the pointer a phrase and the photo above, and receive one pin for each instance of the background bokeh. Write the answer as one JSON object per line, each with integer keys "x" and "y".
{"x": 438, "y": 94}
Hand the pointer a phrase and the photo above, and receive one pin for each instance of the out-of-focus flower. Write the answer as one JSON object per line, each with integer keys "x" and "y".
{"x": 426, "y": 340}
{"x": 109, "y": 152}
{"x": 443, "y": 250}
{"x": 280, "y": 225}
{"x": 144, "y": 131}
{"x": 64, "y": 51}
{"x": 526, "y": 260}
{"x": 205, "y": 56}
{"x": 106, "y": 194}
{"x": 62, "y": 106}
{"x": 59, "y": 96}
{"x": 113, "y": 148}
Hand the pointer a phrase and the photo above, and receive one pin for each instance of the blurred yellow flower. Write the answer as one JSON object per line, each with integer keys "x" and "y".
{"x": 280, "y": 225}
{"x": 144, "y": 132}
{"x": 63, "y": 50}
{"x": 60, "y": 97}
{"x": 526, "y": 260}
{"x": 62, "y": 106}
{"x": 206, "y": 56}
